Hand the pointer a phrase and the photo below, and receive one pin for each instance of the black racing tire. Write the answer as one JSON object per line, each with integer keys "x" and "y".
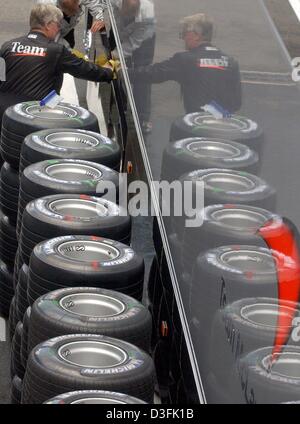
{"x": 6, "y": 289}
{"x": 28, "y": 117}
{"x": 65, "y": 214}
{"x": 190, "y": 154}
{"x": 25, "y": 118}
{"x": 53, "y": 368}
{"x": 244, "y": 326}
{"x": 226, "y": 186}
{"x": 16, "y": 366}
{"x": 12, "y": 319}
{"x": 266, "y": 385}
{"x": 10, "y": 178}
{"x": 21, "y": 292}
{"x": 63, "y": 176}
{"x": 86, "y": 261}
{"x": 224, "y": 225}
{"x": 39, "y": 286}
{"x": 89, "y": 311}
{"x": 24, "y": 342}
{"x": 16, "y": 390}
{"x": 70, "y": 144}
{"x": 88, "y": 397}
{"x": 201, "y": 124}
{"x": 227, "y": 274}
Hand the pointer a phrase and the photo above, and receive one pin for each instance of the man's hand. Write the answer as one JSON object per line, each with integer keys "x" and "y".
{"x": 97, "y": 26}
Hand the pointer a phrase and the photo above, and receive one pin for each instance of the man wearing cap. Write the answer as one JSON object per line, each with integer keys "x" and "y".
{"x": 35, "y": 64}
{"x": 204, "y": 72}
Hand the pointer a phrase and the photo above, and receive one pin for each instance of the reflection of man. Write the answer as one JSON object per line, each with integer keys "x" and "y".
{"x": 136, "y": 28}
{"x": 204, "y": 72}
{"x": 35, "y": 64}
{"x": 73, "y": 10}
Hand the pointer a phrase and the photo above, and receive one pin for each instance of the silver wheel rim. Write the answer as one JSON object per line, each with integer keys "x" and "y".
{"x": 88, "y": 251}
{"x": 72, "y": 140}
{"x": 81, "y": 209}
{"x": 73, "y": 172}
{"x": 249, "y": 261}
{"x": 287, "y": 364}
{"x": 225, "y": 124}
{"x": 213, "y": 149}
{"x": 92, "y": 305}
{"x": 240, "y": 218}
{"x": 99, "y": 400}
{"x": 58, "y": 113}
{"x": 92, "y": 354}
{"x": 225, "y": 181}
{"x": 265, "y": 314}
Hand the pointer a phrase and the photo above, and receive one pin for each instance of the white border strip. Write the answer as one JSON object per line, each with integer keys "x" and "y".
{"x": 296, "y": 6}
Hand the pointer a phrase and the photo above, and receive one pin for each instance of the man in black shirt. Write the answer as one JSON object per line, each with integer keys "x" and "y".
{"x": 35, "y": 64}
{"x": 203, "y": 71}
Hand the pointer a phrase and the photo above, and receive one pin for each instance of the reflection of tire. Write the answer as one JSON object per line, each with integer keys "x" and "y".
{"x": 17, "y": 266}
{"x": 64, "y": 214}
{"x": 16, "y": 390}
{"x": 93, "y": 397}
{"x": 12, "y": 320}
{"x": 16, "y": 366}
{"x": 9, "y": 191}
{"x": 244, "y": 326}
{"x": 63, "y": 176}
{"x": 187, "y": 155}
{"x": 6, "y": 289}
{"x": 70, "y": 144}
{"x": 86, "y": 362}
{"x": 226, "y": 274}
{"x": 202, "y": 124}
{"x": 25, "y": 118}
{"x": 277, "y": 384}
{"x": 24, "y": 341}
{"x": 226, "y": 186}
{"x": 74, "y": 261}
{"x": 21, "y": 292}
{"x": 89, "y": 311}
{"x": 8, "y": 241}
{"x": 161, "y": 357}
{"x": 224, "y": 225}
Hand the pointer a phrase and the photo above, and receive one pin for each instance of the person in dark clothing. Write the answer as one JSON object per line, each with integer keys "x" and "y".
{"x": 35, "y": 64}
{"x": 204, "y": 72}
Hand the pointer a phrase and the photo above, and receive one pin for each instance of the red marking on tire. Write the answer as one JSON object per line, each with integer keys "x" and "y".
{"x": 281, "y": 239}
{"x": 95, "y": 265}
{"x": 69, "y": 218}
{"x": 85, "y": 197}
{"x": 95, "y": 238}
{"x": 249, "y": 275}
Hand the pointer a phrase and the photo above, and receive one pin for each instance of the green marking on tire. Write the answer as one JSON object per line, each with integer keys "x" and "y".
{"x": 217, "y": 190}
{"x": 52, "y": 161}
{"x": 91, "y": 183}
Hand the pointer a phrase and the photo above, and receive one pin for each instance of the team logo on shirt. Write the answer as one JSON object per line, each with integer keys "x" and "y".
{"x": 222, "y": 63}
{"x": 20, "y": 50}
